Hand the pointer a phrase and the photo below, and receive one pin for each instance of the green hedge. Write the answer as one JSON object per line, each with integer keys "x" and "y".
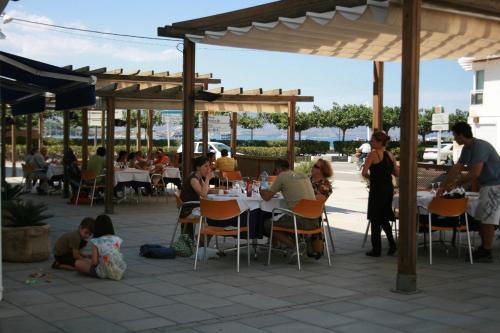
{"x": 305, "y": 146}
{"x": 266, "y": 151}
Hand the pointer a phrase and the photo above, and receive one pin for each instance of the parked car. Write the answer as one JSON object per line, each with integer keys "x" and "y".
{"x": 430, "y": 154}
{"x": 216, "y": 147}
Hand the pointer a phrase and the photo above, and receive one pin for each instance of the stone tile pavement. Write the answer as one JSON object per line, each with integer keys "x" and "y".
{"x": 168, "y": 296}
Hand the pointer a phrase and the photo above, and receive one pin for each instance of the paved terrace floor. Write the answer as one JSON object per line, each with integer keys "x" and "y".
{"x": 168, "y": 296}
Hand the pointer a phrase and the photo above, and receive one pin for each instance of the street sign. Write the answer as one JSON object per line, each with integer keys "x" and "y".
{"x": 440, "y": 121}
{"x": 217, "y": 123}
{"x": 96, "y": 116}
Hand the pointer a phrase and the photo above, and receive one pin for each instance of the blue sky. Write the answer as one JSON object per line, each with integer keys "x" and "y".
{"x": 327, "y": 79}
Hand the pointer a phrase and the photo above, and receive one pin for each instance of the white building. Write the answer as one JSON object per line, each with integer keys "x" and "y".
{"x": 484, "y": 110}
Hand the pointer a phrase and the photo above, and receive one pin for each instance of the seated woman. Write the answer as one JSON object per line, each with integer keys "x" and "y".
{"x": 121, "y": 161}
{"x": 70, "y": 163}
{"x": 195, "y": 187}
{"x": 320, "y": 172}
{"x": 132, "y": 160}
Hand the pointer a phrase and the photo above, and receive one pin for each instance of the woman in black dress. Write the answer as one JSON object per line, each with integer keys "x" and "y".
{"x": 379, "y": 167}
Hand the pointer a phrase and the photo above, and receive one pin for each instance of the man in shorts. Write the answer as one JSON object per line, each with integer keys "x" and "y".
{"x": 483, "y": 164}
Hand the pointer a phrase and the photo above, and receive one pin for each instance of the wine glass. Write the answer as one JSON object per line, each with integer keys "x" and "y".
{"x": 433, "y": 189}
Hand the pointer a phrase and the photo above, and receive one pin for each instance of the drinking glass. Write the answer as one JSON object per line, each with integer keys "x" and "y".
{"x": 433, "y": 189}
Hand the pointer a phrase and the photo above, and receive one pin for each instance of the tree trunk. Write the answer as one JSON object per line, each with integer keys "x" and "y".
{"x": 251, "y": 134}
{"x": 343, "y": 134}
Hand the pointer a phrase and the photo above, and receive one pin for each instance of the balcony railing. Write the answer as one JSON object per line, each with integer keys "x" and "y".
{"x": 476, "y": 97}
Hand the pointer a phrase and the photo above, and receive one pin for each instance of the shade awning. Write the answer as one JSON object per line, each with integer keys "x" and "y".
{"x": 24, "y": 83}
{"x": 371, "y": 30}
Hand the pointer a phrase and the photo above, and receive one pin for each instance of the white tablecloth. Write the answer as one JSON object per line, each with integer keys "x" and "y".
{"x": 424, "y": 198}
{"x": 128, "y": 175}
{"x": 172, "y": 173}
{"x": 55, "y": 170}
{"x": 253, "y": 202}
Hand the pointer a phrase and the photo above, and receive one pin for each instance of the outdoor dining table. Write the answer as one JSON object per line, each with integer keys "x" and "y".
{"x": 131, "y": 175}
{"x": 171, "y": 172}
{"x": 424, "y": 198}
{"x": 54, "y": 170}
{"x": 259, "y": 209}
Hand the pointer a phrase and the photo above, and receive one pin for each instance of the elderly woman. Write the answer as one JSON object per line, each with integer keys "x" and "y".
{"x": 321, "y": 171}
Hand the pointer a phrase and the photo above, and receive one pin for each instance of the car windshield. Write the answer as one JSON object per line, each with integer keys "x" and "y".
{"x": 220, "y": 146}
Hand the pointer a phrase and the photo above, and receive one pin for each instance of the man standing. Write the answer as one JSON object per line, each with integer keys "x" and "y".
{"x": 294, "y": 187}
{"x": 225, "y": 163}
{"x": 483, "y": 164}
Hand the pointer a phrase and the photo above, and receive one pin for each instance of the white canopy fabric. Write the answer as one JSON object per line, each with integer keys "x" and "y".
{"x": 370, "y": 32}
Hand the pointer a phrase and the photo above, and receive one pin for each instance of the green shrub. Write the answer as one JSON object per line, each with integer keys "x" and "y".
{"x": 305, "y": 167}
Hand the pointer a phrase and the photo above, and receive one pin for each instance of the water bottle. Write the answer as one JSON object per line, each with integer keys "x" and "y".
{"x": 263, "y": 180}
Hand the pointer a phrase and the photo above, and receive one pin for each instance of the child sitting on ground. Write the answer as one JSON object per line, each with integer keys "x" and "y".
{"x": 69, "y": 246}
{"x": 106, "y": 261}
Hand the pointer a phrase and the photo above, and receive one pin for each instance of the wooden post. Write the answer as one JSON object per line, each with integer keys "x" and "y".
{"x": 138, "y": 131}
{"x": 204, "y": 132}
{"x": 29, "y": 132}
{"x": 110, "y": 153}
{"x": 378, "y": 95}
{"x": 103, "y": 128}
{"x": 127, "y": 132}
{"x": 65, "y": 192}
{"x": 3, "y": 136}
{"x": 40, "y": 130}
{"x": 13, "y": 148}
{"x": 188, "y": 107}
{"x": 204, "y": 127}
{"x": 149, "y": 132}
{"x": 85, "y": 138}
{"x": 291, "y": 134}
{"x": 406, "y": 280}
{"x": 234, "y": 132}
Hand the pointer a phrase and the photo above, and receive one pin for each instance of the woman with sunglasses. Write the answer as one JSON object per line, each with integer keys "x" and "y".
{"x": 379, "y": 167}
{"x": 321, "y": 171}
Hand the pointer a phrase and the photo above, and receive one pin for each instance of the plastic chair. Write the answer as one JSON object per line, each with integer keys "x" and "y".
{"x": 448, "y": 208}
{"x": 310, "y": 209}
{"x": 88, "y": 180}
{"x": 230, "y": 176}
{"x": 221, "y": 210}
{"x": 180, "y": 204}
{"x": 158, "y": 185}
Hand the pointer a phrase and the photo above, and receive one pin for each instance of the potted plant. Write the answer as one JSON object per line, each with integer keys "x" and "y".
{"x": 25, "y": 238}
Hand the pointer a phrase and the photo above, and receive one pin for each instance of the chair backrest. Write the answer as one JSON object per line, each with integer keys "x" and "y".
{"x": 231, "y": 175}
{"x": 88, "y": 175}
{"x": 448, "y": 207}
{"x": 219, "y": 210}
{"x": 309, "y": 208}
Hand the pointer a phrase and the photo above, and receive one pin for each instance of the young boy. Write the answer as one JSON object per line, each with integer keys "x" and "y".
{"x": 68, "y": 247}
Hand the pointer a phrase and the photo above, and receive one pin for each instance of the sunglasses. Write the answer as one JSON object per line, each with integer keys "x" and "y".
{"x": 316, "y": 166}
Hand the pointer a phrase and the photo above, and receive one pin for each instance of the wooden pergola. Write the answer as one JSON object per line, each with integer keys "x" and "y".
{"x": 154, "y": 91}
{"x": 376, "y": 30}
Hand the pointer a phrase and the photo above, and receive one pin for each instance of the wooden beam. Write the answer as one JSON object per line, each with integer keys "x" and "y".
{"x": 110, "y": 153}
{"x": 132, "y": 88}
{"x": 127, "y": 132}
{"x": 291, "y": 134}
{"x": 103, "y": 128}
{"x": 116, "y": 71}
{"x": 29, "y": 132}
{"x": 188, "y": 68}
{"x": 291, "y": 92}
{"x": 146, "y": 73}
{"x": 149, "y": 133}
{"x": 264, "y": 98}
{"x": 162, "y": 74}
{"x": 85, "y": 138}
{"x": 204, "y": 128}
{"x": 378, "y": 95}
{"x": 138, "y": 131}
{"x": 40, "y": 130}
{"x": 66, "y": 125}
{"x": 3, "y": 136}
{"x": 257, "y": 91}
{"x": 98, "y": 70}
{"x": 218, "y": 90}
{"x": 406, "y": 280}
{"x": 13, "y": 149}
{"x": 84, "y": 69}
{"x": 234, "y": 133}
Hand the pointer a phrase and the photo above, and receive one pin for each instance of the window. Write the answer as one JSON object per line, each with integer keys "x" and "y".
{"x": 479, "y": 80}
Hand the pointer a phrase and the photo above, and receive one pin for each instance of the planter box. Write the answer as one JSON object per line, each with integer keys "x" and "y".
{"x": 26, "y": 244}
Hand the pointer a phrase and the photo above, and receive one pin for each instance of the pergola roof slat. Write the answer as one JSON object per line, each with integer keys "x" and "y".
{"x": 115, "y": 71}
{"x": 234, "y": 91}
{"x": 293, "y": 92}
{"x": 257, "y": 91}
{"x": 272, "y": 92}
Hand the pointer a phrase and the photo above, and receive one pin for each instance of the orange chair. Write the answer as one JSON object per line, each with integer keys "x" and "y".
{"x": 221, "y": 210}
{"x": 271, "y": 179}
{"x": 185, "y": 220}
{"x": 230, "y": 176}
{"x": 310, "y": 209}
{"x": 448, "y": 208}
{"x": 88, "y": 180}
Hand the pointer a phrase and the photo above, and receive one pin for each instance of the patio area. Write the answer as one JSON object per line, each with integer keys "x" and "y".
{"x": 168, "y": 296}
